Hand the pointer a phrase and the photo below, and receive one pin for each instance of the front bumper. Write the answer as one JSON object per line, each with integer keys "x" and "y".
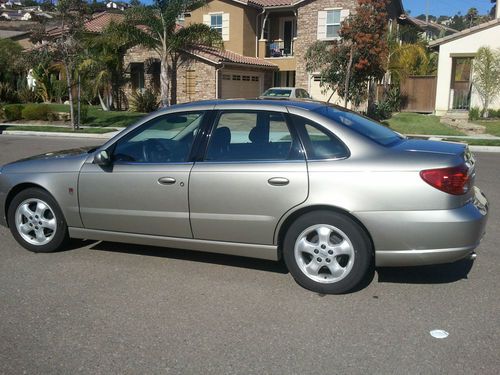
{"x": 414, "y": 238}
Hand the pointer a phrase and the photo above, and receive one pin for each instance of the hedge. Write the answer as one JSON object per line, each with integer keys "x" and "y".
{"x": 13, "y": 112}
{"x": 36, "y": 112}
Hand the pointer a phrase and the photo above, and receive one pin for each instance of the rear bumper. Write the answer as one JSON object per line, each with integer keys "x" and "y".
{"x": 414, "y": 238}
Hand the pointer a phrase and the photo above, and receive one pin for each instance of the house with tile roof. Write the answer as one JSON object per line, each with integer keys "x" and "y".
{"x": 265, "y": 42}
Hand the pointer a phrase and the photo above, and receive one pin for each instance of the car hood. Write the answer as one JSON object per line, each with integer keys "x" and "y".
{"x": 58, "y": 161}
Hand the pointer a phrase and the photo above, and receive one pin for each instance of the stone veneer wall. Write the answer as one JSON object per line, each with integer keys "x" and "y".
{"x": 307, "y": 25}
{"x": 204, "y": 77}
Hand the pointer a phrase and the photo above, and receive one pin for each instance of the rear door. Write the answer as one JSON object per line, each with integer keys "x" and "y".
{"x": 252, "y": 173}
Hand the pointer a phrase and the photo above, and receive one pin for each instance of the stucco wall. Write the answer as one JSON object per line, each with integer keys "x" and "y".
{"x": 467, "y": 45}
{"x": 241, "y": 24}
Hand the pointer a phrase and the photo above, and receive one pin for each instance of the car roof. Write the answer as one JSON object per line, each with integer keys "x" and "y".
{"x": 306, "y": 104}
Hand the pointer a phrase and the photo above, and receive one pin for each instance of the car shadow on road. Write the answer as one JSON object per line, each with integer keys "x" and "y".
{"x": 194, "y": 256}
{"x": 435, "y": 274}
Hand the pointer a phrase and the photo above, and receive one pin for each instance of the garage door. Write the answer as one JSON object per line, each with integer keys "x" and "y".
{"x": 236, "y": 84}
{"x": 316, "y": 90}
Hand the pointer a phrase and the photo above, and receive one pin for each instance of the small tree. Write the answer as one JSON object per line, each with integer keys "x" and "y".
{"x": 347, "y": 65}
{"x": 64, "y": 44}
{"x": 486, "y": 76}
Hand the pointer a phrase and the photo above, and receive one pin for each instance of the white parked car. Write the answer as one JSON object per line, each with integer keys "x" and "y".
{"x": 285, "y": 92}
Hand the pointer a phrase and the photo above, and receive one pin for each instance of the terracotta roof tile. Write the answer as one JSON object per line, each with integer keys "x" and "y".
{"x": 220, "y": 56}
{"x": 100, "y": 21}
{"x": 271, "y": 3}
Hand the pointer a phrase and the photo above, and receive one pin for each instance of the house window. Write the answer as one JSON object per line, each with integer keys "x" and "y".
{"x": 226, "y": 77}
{"x": 246, "y": 78}
{"x": 236, "y": 78}
{"x": 190, "y": 83}
{"x": 216, "y": 22}
{"x": 255, "y": 79}
{"x": 137, "y": 76}
{"x": 332, "y": 23}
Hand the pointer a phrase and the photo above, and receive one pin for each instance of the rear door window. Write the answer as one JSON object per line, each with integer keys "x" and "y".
{"x": 252, "y": 135}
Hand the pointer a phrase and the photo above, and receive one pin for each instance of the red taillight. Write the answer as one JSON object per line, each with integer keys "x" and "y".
{"x": 453, "y": 180}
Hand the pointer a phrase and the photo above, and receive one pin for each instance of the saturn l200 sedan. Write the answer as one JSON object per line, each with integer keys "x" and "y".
{"x": 329, "y": 191}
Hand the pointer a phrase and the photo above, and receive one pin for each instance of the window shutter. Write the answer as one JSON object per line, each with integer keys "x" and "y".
{"x": 344, "y": 13}
{"x": 321, "y": 25}
{"x": 225, "y": 26}
{"x": 206, "y": 19}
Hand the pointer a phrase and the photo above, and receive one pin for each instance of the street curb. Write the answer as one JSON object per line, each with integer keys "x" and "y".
{"x": 60, "y": 134}
{"x": 484, "y": 148}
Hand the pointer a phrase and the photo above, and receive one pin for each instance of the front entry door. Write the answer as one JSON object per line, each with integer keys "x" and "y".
{"x": 252, "y": 174}
{"x": 145, "y": 190}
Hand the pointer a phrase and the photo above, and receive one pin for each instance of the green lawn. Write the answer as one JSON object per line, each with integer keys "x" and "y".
{"x": 98, "y": 117}
{"x": 43, "y": 128}
{"x": 416, "y": 123}
{"x": 492, "y": 126}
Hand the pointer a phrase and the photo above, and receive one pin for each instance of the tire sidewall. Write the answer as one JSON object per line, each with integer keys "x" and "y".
{"x": 60, "y": 236}
{"x": 363, "y": 253}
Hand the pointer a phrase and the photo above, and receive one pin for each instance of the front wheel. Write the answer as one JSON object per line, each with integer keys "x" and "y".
{"x": 327, "y": 252}
{"x": 37, "y": 222}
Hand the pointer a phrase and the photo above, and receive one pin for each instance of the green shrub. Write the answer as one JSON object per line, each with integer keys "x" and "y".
{"x": 36, "y": 112}
{"x": 7, "y": 93}
{"x": 13, "y": 112}
{"x": 494, "y": 113}
{"x": 27, "y": 96}
{"x": 146, "y": 101}
{"x": 84, "y": 114}
{"x": 381, "y": 111}
{"x": 474, "y": 114}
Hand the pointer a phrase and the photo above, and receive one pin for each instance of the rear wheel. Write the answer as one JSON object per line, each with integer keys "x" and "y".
{"x": 37, "y": 222}
{"x": 327, "y": 252}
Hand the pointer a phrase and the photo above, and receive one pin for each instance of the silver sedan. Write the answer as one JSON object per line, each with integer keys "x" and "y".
{"x": 327, "y": 190}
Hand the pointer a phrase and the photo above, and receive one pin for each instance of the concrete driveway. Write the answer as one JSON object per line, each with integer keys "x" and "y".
{"x": 106, "y": 308}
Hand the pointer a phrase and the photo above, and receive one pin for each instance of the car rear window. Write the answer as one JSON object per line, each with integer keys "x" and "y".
{"x": 278, "y": 93}
{"x": 362, "y": 125}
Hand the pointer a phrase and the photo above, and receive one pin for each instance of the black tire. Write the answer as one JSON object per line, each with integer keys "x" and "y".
{"x": 361, "y": 247}
{"x": 58, "y": 238}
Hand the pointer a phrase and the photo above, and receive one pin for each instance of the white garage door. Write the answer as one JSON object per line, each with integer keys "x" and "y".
{"x": 316, "y": 91}
{"x": 240, "y": 84}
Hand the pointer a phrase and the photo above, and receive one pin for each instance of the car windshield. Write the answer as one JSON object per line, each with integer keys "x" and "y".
{"x": 362, "y": 125}
{"x": 278, "y": 93}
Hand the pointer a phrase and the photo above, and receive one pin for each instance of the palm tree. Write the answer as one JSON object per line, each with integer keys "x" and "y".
{"x": 156, "y": 27}
{"x": 103, "y": 67}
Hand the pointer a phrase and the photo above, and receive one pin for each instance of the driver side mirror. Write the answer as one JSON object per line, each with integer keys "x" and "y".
{"x": 102, "y": 158}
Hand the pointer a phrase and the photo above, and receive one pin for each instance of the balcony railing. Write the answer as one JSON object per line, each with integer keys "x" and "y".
{"x": 279, "y": 48}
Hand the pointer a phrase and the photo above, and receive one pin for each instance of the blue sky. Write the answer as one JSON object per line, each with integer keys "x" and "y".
{"x": 446, "y": 7}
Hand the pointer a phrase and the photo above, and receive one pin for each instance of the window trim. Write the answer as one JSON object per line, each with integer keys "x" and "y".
{"x": 297, "y": 146}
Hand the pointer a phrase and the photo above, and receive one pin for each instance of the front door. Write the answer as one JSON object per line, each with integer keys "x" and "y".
{"x": 253, "y": 172}
{"x": 145, "y": 190}
{"x": 461, "y": 82}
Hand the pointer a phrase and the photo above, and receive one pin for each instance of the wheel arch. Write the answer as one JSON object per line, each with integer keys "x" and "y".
{"x": 282, "y": 229}
{"x": 16, "y": 190}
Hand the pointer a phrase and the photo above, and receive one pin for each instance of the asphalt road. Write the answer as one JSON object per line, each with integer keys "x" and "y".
{"x": 106, "y": 308}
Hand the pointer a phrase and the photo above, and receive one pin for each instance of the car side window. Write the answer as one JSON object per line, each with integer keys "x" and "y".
{"x": 252, "y": 135}
{"x": 164, "y": 139}
{"x": 320, "y": 143}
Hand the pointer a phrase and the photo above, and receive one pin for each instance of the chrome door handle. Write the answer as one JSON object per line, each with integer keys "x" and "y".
{"x": 166, "y": 180}
{"x": 278, "y": 181}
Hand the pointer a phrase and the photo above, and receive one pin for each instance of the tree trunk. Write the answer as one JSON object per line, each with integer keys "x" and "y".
{"x": 70, "y": 95}
{"x": 164, "y": 81}
{"x": 101, "y": 101}
{"x": 173, "y": 82}
{"x": 486, "y": 105}
{"x": 348, "y": 76}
